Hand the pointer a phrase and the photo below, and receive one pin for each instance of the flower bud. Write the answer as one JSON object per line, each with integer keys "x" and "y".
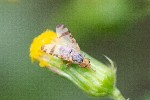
{"x": 98, "y": 80}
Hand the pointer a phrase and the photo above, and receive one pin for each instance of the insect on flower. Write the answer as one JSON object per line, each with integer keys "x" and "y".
{"x": 66, "y": 48}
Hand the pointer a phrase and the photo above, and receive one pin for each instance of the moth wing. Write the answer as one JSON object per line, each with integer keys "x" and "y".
{"x": 66, "y": 38}
{"x": 52, "y": 49}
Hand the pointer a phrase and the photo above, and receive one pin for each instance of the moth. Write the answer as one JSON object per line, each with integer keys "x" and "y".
{"x": 66, "y": 48}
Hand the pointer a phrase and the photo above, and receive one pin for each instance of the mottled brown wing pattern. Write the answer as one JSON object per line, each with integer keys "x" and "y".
{"x": 66, "y": 37}
{"x": 49, "y": 48}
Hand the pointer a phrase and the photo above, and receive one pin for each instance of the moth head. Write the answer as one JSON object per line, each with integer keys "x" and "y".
{"x": 85, "y": 63}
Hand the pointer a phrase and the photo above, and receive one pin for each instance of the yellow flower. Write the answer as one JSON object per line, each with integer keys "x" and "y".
{"x": 36, "y": 53}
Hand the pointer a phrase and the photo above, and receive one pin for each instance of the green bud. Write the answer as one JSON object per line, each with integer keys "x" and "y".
{"x": 101, "y": 82}
{"x": 98, "y": 80}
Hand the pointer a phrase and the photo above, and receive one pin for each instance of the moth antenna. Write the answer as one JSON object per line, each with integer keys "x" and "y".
{"x": 89, "y": 66}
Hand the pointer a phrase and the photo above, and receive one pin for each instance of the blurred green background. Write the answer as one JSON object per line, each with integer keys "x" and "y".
{"x": 119, "y": 29}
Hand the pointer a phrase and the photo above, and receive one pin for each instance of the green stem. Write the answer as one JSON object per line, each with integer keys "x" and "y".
{"x": 117, "y": 95}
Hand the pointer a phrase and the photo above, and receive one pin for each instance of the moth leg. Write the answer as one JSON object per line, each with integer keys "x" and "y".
{"x": 70, "y": 61}
{"x": 89, "y": 66}
{"x": 62, "y": 62}
{"x": 68, "y": 64}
